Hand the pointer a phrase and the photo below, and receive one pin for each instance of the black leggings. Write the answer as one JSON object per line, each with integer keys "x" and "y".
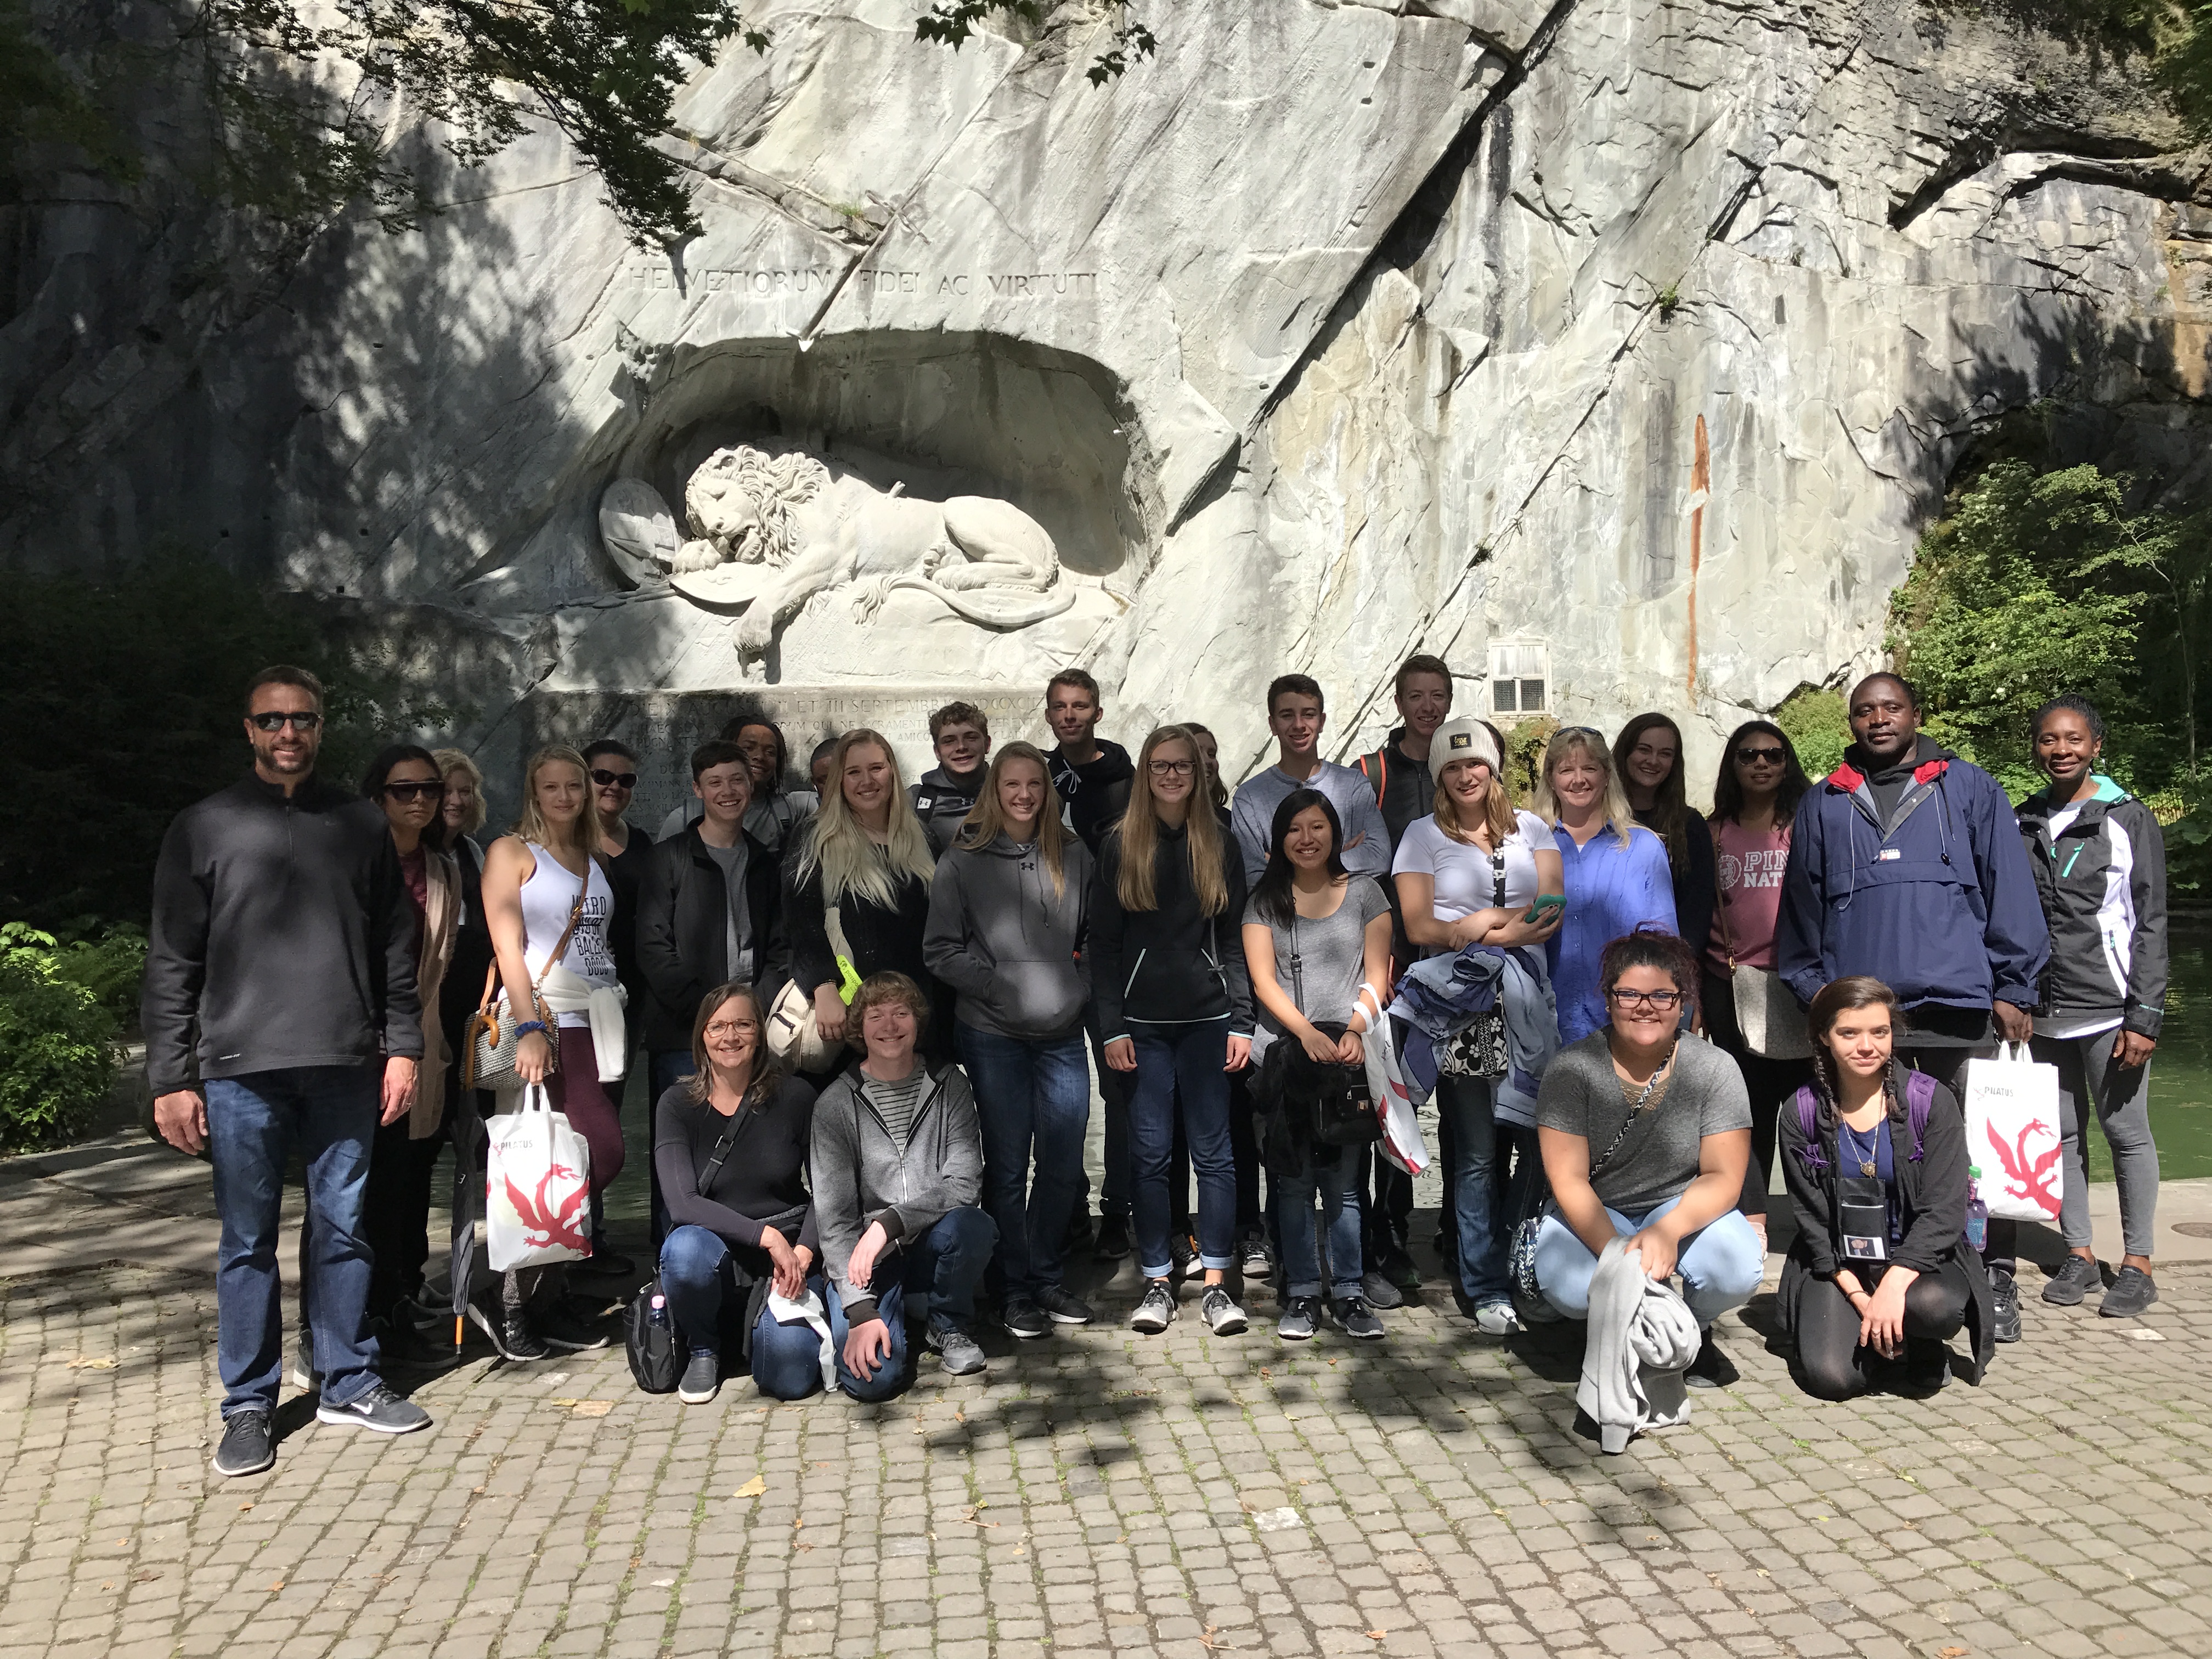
{"x": 1831, "y": 1363}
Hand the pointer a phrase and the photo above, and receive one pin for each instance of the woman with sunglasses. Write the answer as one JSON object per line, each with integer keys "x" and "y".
{"x": 1754, "y": 802}
{"x": 1644, "y": 1130}
{"x": 407, "y": 783}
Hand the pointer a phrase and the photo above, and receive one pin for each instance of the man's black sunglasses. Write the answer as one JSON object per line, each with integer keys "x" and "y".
{"x": 415, "y": 791}
{"x": 607, "y": 780}
{"x": 273, "y": 719}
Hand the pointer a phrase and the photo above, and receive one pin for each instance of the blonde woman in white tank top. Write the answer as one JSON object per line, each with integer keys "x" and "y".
{"x": 531, "y": 879}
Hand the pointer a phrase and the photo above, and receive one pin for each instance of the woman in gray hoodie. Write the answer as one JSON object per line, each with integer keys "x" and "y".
{"x": 1007, "y": 910}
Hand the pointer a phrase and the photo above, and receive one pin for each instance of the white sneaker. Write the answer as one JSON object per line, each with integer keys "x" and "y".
{"x": 1497, "y": 1319}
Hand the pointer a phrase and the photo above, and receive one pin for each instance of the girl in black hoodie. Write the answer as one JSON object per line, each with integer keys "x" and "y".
{"x": 1175, "y": 1007}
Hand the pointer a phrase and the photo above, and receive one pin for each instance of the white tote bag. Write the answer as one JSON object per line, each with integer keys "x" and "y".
{"x": 1402, "y": 1141}
{"x": 537, "y": 1186}
{"x": 2012, "y": 1135}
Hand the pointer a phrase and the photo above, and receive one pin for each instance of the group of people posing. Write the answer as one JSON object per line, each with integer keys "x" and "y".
{"x": 873, "y": 1014}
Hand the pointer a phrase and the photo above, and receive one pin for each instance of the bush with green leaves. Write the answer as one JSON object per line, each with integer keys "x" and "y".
{"x": 1818, "y": 727}
{"x": 57, "y": 1044}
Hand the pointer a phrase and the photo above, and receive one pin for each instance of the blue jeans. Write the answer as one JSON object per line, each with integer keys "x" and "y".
{"x": 1185, "y": 1060}
{"x": 1721, "y": 1263}
{"x": 942, "y": 1269}
{"x": 1337, "y": 1185}
{"x": 253, "y": 1121}
{"x": 1482, "y": 1216}
{"x": 1029, "y": 1096}
{"x": 698, "y": 1275}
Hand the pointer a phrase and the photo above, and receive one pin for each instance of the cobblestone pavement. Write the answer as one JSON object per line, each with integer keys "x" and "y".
{"x": 1101, "y": 1493}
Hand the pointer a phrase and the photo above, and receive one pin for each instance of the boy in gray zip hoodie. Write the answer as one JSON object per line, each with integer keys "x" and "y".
{"x": 897, "y": 1166}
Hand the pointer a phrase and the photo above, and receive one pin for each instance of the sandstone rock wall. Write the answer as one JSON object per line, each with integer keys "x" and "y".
{"x": 1616, "y": 350}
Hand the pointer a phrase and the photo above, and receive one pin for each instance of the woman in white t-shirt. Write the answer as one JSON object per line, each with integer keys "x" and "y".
{"x": 1478, "y": 871}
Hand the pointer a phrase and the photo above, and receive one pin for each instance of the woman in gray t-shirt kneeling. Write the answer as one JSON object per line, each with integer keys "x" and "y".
{"x": 1645, "y": 1129}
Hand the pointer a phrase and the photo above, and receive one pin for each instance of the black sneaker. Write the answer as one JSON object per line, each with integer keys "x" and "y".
{"x": 1024, "y": 1319}
{"x": 1112, "y": 1238}
{"x": 400, "y": 1342}
{"x": 563, "y": 1326}
{"x": 248, "y": 1445}
{"x": 1711, "y": 1368}
{"x": 510, "y": 1335}
{"x": 2004, "y": 1303}
{"x": 304, "y": 1374}
{"x": 604, "y": 1261}
{"x": 376, "y": 1408}
{"x": 1079, "y": 1233}
{"x": 1396, "y": 1266}
{"x": 1381, "y": 1292}
{"x": 1157, "y": 1311}
{"x": 2075, "y": 1277}
{"x": 702, "y": 1381}
{"x": 1301, "y": 1319}
{"x": 1355, "y": 1318}
{"x": 1182, "y": 1256}
{"x": 1252, "y": 1258}
{"x": 1061, "y": 1308}
{"x": 2131, "y": 1292}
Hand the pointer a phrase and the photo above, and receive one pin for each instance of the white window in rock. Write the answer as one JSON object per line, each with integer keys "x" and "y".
{"x": 1520, "y": 675}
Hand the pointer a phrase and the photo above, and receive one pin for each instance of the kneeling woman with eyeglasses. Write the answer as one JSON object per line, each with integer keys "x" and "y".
{"x": 729, "y": 1144}
{"x": 1877, "y": 1282}
{"x": 1645, "y": 1129}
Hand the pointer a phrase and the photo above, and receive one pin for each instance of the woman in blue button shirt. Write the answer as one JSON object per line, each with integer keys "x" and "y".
{"x": 1616, "y": 875}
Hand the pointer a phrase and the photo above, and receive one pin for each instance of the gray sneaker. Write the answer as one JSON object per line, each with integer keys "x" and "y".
{"x": 1354, "y": 1318}
{"x": 304, "y": 1374}
{"x": 2075, "y": 1277}
{"x": 1381, "y": 1292}
{"x": 1157, "y": 1309}
{"x": 2131, "y": 1292}
{"x": 1300, "y": 1318}
{"x": 377, "y": 1408}
{"x": 248, "y": 1444}
{"x": 1219, "y": 1310}
{"x": 961, "y": 1354}
{"x": 701, "y": 1380}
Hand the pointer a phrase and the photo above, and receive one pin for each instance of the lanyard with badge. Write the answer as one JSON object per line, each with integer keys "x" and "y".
{"x": 1862, "y": 1201}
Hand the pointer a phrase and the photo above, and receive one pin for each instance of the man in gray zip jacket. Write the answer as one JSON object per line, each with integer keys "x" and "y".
{"x": 897, "y": 1166}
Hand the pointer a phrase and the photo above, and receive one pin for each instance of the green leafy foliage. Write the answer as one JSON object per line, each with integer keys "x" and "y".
{"x": 951, "y": 22}
{"x": 1818, "y": 727}
{"x": 45, "y": 101}
{"x": 133, "y": 687}
{"x": 57, "y": 1044}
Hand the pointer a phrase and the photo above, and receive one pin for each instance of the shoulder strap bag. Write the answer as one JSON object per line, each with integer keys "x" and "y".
{"x": 1532, "y": 1224}
{"x": 1478, "y": 1048}
{"x": 488, "y": 1055}
{"x": 795, "y": 1040}
{"x": 1767, "y": 1010}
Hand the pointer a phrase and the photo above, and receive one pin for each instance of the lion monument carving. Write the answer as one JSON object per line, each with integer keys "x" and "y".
{"x": 773, "y": 526}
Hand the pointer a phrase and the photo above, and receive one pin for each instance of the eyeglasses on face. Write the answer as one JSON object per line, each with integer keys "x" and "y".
{"x": 1170, "y": 768}
{"x": 276, "y": 720}
{"x": 607, "y": 780}
{"x": 415, "y": 791}
{"x": 1662, "y": 1000}
{"x": 730, "y": 1028}
{"x": 1769, "y": 756}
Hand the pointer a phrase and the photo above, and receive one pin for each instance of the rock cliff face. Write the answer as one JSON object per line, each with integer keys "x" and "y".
{"x": 1615, "y": 350}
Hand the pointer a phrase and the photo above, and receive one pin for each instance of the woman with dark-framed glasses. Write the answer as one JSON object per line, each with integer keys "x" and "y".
{"x": 1644, "y": 1130}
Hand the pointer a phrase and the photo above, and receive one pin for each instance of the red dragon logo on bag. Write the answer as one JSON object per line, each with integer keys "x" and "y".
{"x": 2030, "y": 1180}
{"x": 562, "y": 1226}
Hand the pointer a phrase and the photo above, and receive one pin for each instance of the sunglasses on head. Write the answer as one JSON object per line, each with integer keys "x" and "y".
{"x": 275, "y": 720}
{"x": 1770, "y": 755}
{"x": 415, "y": 791}
{"x": 607, "y": 780}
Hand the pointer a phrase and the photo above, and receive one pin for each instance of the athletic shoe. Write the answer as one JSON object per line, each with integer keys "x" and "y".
{"x": 702, "y": 1381}
{"x": 1300, "y": 1318}
{"x": 1354, "y": 1318}
{"x": 510, "y": 1334}
{"x": 1219, "y": 1310}
{"x": 1381, "y": 1292}
{"x": 1496, "y": 1318}
{"x": 1711, "y": 1368}
{"x": 961, "y": 1354}
{"x": 1062, "y": 1307}
{"x": 248, "y": 1445}
{"x": 2004, "y": 1299}
{"x": 1393, "y": 1264}
{"x": 562, "y": 1327}
{"x": 1112, "y": 1238}
{"x": 1927, "y": 1367}
{"x": 1079, "y": 1233}
{"x": 604, "y": 1260}
{"x": 1253, "y": 1260}
{"x": 304, "y": 1374}
{"x": 377, "y": 1408}
{"x": 2131, "y": 1292}
{"x": 1024, "y": 1319}
{"x": 1182, "y": 1256}
{"x": 2075, "y": 1277}
{"x": 1157, "y": 1309}
{"x": 401, "y": 1342}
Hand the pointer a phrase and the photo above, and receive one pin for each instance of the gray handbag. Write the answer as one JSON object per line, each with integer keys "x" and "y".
{"x": 488, "y": 1056}
{"x": 1767, "y": 1010}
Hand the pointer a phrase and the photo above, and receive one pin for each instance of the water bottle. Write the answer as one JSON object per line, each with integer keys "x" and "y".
{"x": 1978, "y": 1213}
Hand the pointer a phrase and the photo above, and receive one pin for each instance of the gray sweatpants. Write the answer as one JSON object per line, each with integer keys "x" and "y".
{"x": 2122, "y": 1098}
